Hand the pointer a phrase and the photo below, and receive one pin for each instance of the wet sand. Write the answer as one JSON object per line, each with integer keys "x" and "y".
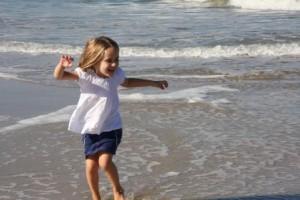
{"x": 241, "y": 150}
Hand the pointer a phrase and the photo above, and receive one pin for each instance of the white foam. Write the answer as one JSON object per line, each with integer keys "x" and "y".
{"x": 197, "y": 52}
{"x": 37, "y": 48}
{"x": 4, "y": 118}
{"x": 266, "y": 4}
{"x": 7, "y": 76}
{"x": 220, "y": 101}
{"x": 217, "y": 51}
{"x": 151, "y": 165}
{"x": 169, "y": 174}
{"x": 53, "y": 117}
{"x": 243, "y": 4}
{"x": 191, "y": 95}
{"x": 198, "y": 3}
{"x": 183, "y": 76}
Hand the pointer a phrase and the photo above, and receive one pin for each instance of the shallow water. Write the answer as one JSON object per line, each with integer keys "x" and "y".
{"x": 170, "y": 150}
{"x": 226, "y": 128}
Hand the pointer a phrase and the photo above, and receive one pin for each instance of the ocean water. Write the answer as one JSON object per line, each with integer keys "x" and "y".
{"x": 226, "y": 128}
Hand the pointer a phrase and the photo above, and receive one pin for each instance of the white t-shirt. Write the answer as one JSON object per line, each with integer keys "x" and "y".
{"x": 97, "y": 110}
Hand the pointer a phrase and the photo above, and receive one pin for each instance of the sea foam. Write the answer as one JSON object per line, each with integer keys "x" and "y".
{"x": 8, "y": 76}
{"x": 266, "y": 4}
{"x": 241, "y": 4}
{"x": 38, "y": 48}
{"x": 53, "y": 117}
{"x": 177, "y": 76}
{"x": 253, "y": 50}
{"x": 190, "y": 95}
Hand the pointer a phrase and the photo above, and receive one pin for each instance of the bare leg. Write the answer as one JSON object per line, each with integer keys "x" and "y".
{"x": 92, "y": 176}
{"x": 106, "y": 163}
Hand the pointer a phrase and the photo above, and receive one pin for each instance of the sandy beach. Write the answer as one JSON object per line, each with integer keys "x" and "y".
{"x": 227, "y": 127}
{"x": 191, "y": 151}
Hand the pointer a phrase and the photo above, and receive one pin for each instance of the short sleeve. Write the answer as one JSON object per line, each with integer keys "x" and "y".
{"x": 78, "y": 72}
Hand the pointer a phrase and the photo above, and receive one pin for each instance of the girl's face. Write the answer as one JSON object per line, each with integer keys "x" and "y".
{"x": 108, "y": 64}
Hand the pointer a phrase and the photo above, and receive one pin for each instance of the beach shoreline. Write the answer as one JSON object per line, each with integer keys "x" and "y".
{"x": 226, "y": 128}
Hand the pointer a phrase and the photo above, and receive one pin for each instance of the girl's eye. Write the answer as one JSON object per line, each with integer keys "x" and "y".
{"x": 111, "y": 61}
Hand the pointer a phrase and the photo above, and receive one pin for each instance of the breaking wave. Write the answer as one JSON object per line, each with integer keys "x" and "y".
{"x": 253, "y": 50}
{"x": 242, "y": 4}
{"x": 266, "y": 4}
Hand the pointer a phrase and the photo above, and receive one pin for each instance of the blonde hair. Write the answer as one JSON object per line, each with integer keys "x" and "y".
{"x": 94, "y": 51}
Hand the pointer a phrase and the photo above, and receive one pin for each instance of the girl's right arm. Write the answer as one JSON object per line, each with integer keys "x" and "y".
{"x": 59, "y": 71}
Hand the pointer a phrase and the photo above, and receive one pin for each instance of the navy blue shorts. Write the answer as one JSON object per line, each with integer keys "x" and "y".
{"x": 105, "y": 142}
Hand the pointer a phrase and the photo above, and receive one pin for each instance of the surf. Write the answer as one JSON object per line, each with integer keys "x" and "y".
{"x": 266, "y": 4}
{"x": 190, "y": 95}
{"x": 286, "y": 5}
{"x": 218, "y": 51}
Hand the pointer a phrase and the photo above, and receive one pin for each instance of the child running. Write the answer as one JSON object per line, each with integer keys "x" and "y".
{"x": 97, "y": 115}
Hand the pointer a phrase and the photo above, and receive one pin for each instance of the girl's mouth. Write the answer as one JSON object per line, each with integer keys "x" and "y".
{"x": 111, "y": 71}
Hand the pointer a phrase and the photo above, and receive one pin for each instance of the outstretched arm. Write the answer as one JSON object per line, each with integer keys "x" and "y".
{"x": 59, "y": 71}
{"x": 135, "y": 82}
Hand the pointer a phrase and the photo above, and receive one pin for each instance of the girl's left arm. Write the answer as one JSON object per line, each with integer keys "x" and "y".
{"x": 136, "y": 82}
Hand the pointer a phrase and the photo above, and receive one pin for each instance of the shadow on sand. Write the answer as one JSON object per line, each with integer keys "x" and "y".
{"x": 262, "y": 197}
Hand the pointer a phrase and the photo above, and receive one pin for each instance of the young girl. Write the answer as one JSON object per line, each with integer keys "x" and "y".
{"x": 97, "y": 115}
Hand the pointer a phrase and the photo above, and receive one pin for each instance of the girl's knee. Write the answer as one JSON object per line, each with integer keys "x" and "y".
{"x": 105, "y": 161}
{"x": 91, "y": 164}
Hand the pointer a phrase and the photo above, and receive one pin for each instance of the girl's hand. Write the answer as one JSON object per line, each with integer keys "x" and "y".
{"x": 161, "y": 84}
{"x": 66, "y": 61}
